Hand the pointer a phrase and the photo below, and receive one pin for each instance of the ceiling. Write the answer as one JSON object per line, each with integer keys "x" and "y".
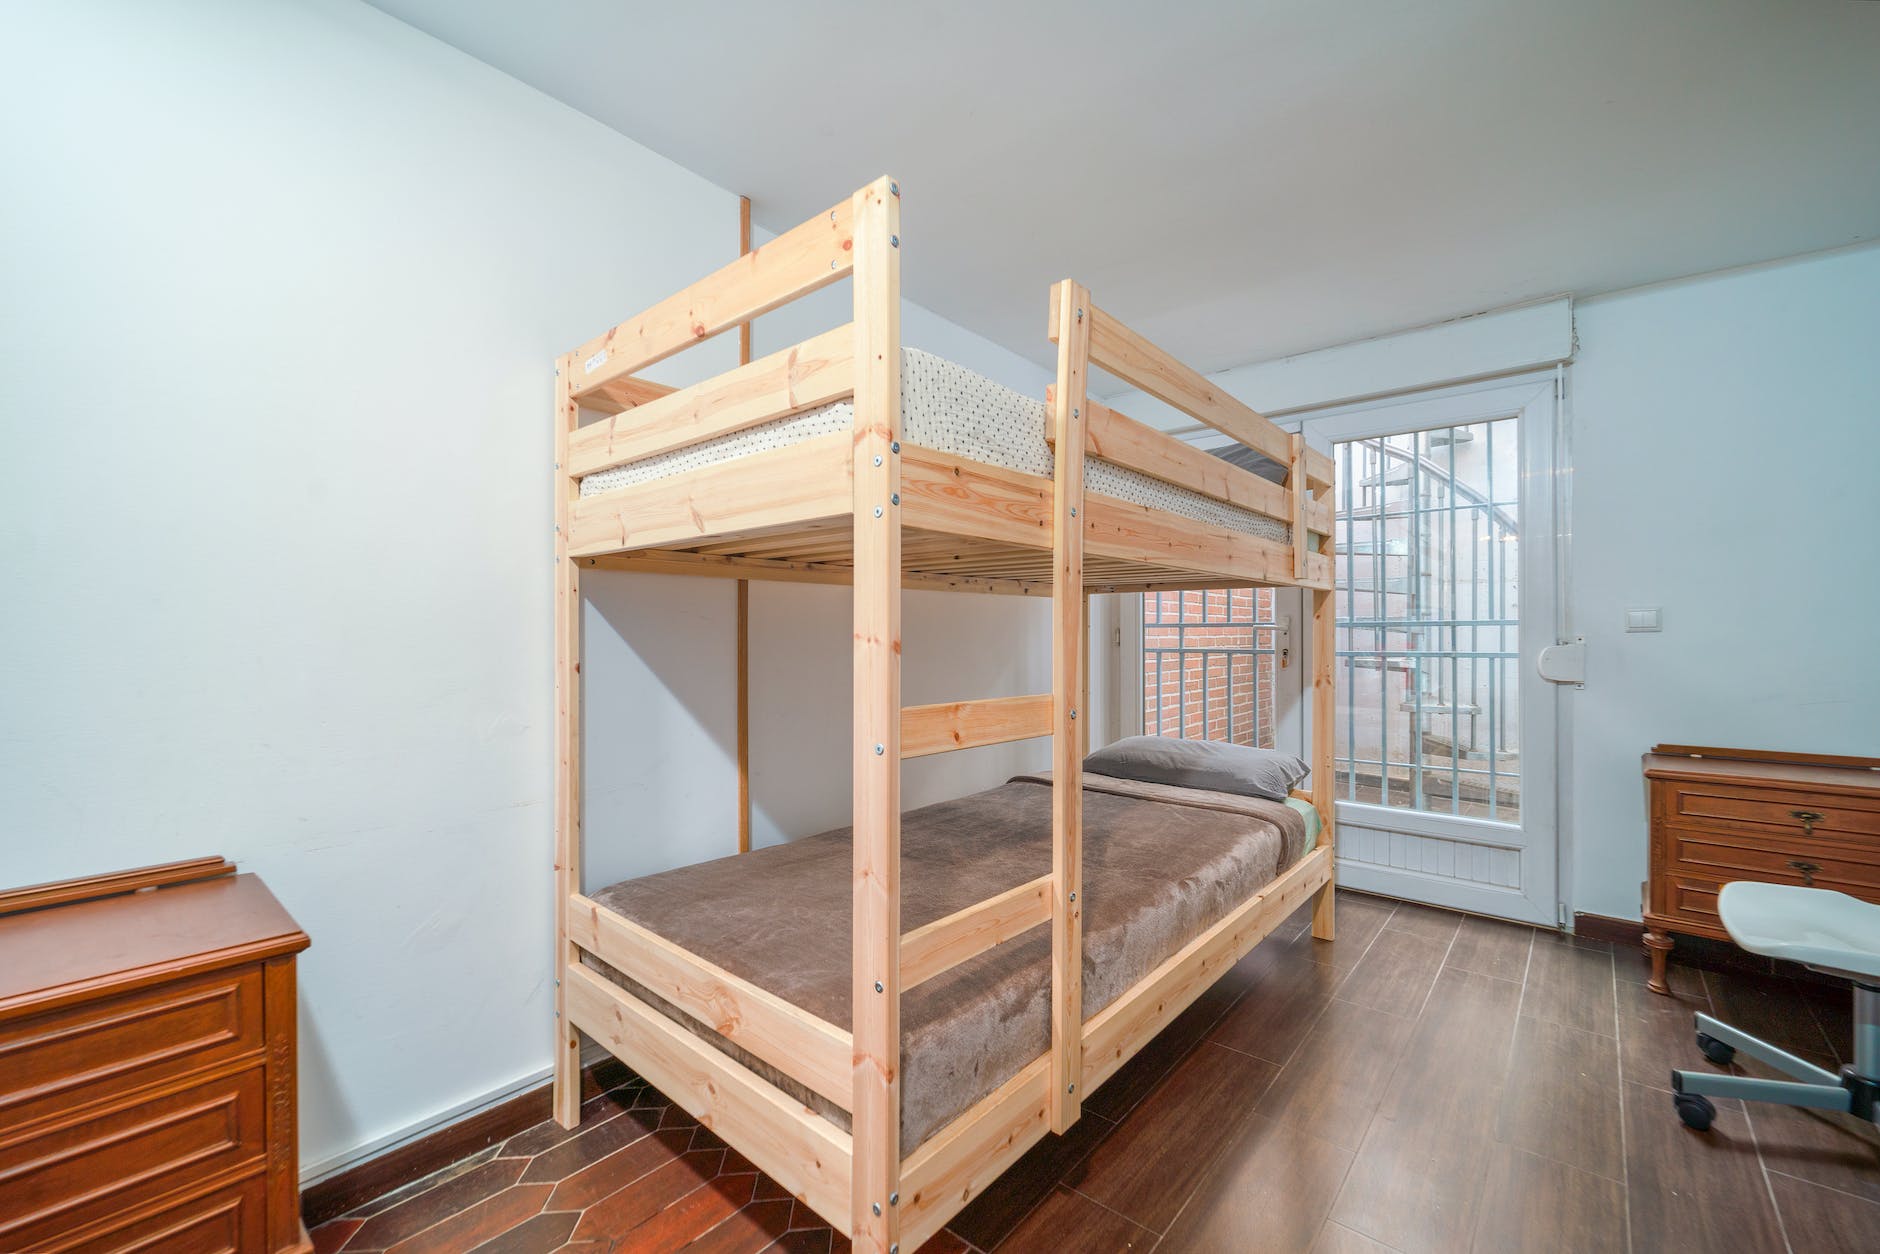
{"x": 1246, "y": 180}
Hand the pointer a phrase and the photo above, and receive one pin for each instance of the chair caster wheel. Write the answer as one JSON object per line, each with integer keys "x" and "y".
{"x": 1695, "y": 1110}
{"x": 1715, "y": 1050}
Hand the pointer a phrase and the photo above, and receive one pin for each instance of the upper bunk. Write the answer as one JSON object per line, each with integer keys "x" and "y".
{"x": 749, "y": 474}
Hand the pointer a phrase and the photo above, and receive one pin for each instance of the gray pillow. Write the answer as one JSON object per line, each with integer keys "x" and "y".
{"x": 1211, "y": 764}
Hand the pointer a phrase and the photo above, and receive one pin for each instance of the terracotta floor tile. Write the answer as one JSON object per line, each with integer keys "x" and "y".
{"x": 618, "y": 1170}
{"x": 592, "y": 1145}
{"x": 538, "y": 1235}
{"x": 412, "y": 1216}
{"x": 331, "y": 1235}
{"x": 477, "y": 1224}
{"x": 625, "y": 1209}
{"x": 754, "y": 1227}
{"x": 801, "y": 1241}
{"x": 688, "y": 1218}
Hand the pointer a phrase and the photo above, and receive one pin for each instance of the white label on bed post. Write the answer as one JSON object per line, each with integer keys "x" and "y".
{"x": 595, "y": 362}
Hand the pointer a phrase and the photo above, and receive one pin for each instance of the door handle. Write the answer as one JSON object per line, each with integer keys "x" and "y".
{"x": 1807, "y": 869}
{"x": 1809, "y": 818}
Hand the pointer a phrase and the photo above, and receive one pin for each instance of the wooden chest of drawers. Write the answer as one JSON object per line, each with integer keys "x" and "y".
{"x": 1719, "y": 815}
{"x": 147, "y": 1065}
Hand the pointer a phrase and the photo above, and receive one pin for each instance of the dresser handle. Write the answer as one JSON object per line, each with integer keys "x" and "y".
{"x": 1807, "y": 869}
{"x": 1809, "y": 818}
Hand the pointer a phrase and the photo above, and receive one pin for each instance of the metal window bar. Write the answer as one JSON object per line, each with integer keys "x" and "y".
{"x": 1194, "y": 663}
{"x": 1417, "y": 625}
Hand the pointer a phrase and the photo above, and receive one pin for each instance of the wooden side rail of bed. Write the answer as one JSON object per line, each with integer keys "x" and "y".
{"x": 867, "y": 507}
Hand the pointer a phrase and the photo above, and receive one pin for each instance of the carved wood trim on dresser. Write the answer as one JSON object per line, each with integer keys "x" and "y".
{"x": 1719, "y": 815}
{"x": 147, "y": 1066}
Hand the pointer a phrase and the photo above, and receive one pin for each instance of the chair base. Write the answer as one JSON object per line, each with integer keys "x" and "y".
{"x": 1855, "y": 1090}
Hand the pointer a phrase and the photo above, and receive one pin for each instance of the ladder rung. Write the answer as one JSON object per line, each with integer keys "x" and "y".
{"x": 945, "y": 943}
{"x": 953, "y": 725}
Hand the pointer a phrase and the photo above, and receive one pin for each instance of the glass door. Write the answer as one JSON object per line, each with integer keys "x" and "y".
{"x": 1445, "y": 769}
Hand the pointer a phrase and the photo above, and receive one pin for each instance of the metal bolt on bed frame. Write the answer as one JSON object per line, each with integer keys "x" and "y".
{"x": 894, "y": 498}
{"x": 1071, "y": 1087}
{"x": 895, "y": 447}
{"x": 880, "y": 749}
{"x": 894, "y": 189}
{"x": 1080, "y": 315}
{"x": 876, "y": 1207}
{"x": 1073, "y": 713}
{"x": 877, "y": 511}
{"x": 894, "y": 1199}
{"x": 1073, "y": 896}
{"x": 894, "y": 241}
{"x": 878, "y": 987}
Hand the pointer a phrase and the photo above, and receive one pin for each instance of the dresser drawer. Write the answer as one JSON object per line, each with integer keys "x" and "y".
{"x": 65, "y": 1175}
{"x": 1692, "y": 901}
{"x": 1725, "y": 856}
{"x": 94, "y": 1051}
{"x": 1771, "y": 811}
{"x": 231, "y": 1220}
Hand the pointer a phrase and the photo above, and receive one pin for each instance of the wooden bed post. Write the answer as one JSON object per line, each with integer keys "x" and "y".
{"x": 875, "y": 995}
{"x": 744, "y": 596}
{"x": 1071, "y": 330}
{"x": 1324, "y": 737}
{"x": 567, "y": 1089}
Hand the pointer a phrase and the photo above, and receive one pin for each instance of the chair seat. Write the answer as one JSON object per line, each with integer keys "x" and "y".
{"x": 1817, "y": 927}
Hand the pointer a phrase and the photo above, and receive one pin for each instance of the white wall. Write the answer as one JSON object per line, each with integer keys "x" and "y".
{"x": 1726, "y": 434}
{"x": 283, "y": 286}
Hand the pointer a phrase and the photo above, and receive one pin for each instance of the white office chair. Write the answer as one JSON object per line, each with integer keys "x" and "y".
{"x": 1825, "y": 931}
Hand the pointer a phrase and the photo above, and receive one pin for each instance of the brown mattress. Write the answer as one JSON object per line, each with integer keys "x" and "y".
{"x": 1161, "y": 865}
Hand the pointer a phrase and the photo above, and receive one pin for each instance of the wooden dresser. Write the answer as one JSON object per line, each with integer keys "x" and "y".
{"x": 147, "y": 1064}
{"x": 1719, "y": 815}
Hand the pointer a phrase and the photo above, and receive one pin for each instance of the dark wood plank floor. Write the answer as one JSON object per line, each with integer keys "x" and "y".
{"x": 1428, "y": 1082}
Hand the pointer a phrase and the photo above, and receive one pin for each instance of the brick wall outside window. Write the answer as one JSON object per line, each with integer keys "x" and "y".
{"x": 1217, "y": 666}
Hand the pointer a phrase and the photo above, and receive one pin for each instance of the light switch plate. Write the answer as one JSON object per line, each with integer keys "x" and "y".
{"x": 1651, "y": 619}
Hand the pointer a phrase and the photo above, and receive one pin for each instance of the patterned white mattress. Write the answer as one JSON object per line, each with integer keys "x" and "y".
{"x": 949, "y": 408}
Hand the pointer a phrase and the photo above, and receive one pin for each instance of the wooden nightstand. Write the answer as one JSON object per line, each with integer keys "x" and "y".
{"x": 1719, "y": 815}
{"x": 147, "y": 1044}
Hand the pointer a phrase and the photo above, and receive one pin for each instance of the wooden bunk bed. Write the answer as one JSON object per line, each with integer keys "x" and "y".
{"x": 863, "y": 506}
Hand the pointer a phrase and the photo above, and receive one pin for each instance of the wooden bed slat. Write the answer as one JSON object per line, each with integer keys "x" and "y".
{"x": 958, "y": 1163}
{"x": 801, "y": 1150}
{"x": 812, "y": 1051}
{"x": 945, "y": 943}
{"x": 950, "y": 725}
{"x": 801, "y": 377}
{"x": 1319, "y": 470}
{"x": 798, "y": 483}
{"x": 1128, "y": 1023}
{"x": 1116, "y": 437}
{"x": 799, "y": 261}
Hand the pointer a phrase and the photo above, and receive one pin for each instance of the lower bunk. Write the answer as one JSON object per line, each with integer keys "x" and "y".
{"x": 727, "y": 983}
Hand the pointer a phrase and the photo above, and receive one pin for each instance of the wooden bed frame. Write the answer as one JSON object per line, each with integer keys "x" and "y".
{"x": 874, "y": 512}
